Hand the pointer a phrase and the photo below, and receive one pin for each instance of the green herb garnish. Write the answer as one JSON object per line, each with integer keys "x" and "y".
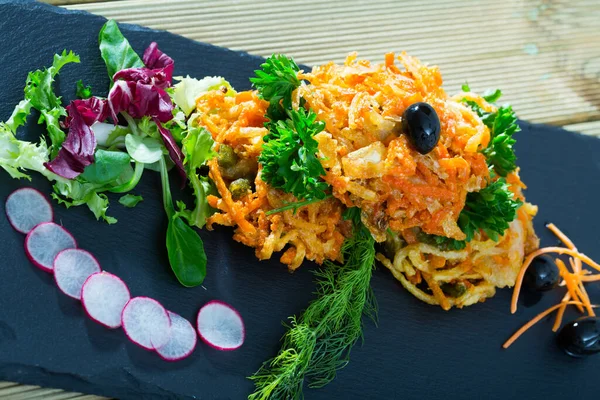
{"x": 184, "y": 246}
{"x": 296, "y": 205}
{"x": 491, "y": 210}
{"x": 289, "y": 156}
{"x": 83, "y": 92}
{"x": 275, "y": 81}
{"x": 116, "y": 51}
{"x": 318, "y": 343}
{"x": 130, "y": 200}
{"x": 503, "y": 125}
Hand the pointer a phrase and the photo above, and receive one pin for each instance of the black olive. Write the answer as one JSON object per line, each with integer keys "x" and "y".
{"x": 542, "y": 275}
{"x": 580, "y": 337}
{"x": 422, "y": 125}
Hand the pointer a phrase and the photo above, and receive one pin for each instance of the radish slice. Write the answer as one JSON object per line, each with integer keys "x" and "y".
{"x": 104, "y": 296}
{"x": 72, "y": 267}
{"x": 146, "y": 323}
{"x": 182, "y": 341}
{"x": 221, "y": 326}
{"x": 26, "y": 208}
{"x": 45, "y": 241}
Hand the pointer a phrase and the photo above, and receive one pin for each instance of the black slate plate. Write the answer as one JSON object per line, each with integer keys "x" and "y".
{"x": 418, "y": 351}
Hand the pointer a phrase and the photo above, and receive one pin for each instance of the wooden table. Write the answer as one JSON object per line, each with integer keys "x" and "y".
{"x": 544, "y": 55}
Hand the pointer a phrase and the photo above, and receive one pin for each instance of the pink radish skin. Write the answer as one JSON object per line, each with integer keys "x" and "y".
{"x": 146, "y": 323}
{"x": 103, "y": 297}
{"x": 44, "y": 242}
{"x": 182, "y": 341}
{"x": 27, "y": 207}
{"x": 72, "y": 267}
{"x": 221, "y": 326}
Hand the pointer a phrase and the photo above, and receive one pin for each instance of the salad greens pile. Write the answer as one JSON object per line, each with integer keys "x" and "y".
{"x": 142, "y": 124}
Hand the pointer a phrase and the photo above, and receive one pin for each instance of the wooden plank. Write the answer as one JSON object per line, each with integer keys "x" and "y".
{"x": 587, "y": 128}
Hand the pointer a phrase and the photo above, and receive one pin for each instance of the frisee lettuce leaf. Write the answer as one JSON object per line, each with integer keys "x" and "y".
{"x": 17, "y": 156}
{"x": 78, "y": 192}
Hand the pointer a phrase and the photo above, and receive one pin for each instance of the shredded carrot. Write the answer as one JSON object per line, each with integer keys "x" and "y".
{"x": 571, "y": 284}
{"x": 564, "y": 238}
{"x": 535, "y": 320}
{"x": 590, "y": 278}
{"x": 574, "y": 281}
{"x": 235, "y": 209}
{"x": 561, "y": 312}
{"x": 545, "y": 250}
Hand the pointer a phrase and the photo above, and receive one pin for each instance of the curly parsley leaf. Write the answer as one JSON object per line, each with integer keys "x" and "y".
{"x": 503, "y": 125}
{"x": 500, "y": 153}
{"x": 289, "y": 157}
{"x": 491, "y": 209}
{"x": 275, "y": 81}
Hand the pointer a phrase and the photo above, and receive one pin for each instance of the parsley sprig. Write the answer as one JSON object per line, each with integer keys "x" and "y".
{"x": 491, "y": 210}
{"x": 289, "y": 157}
{"x": 503, "y": 125}
{"x": 276, "y": 81}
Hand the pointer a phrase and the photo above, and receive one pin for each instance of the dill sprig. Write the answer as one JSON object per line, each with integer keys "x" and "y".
{"x": 319, "y": 342}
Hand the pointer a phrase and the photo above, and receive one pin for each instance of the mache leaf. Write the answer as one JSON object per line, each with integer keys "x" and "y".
{"x": 107, "y": 166}
{"x": 116, "y": 51}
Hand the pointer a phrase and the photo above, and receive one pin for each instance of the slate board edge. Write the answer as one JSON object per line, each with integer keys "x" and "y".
{"x": 76, "y": 383}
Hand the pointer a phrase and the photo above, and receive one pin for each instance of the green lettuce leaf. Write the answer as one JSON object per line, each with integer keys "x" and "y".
{"x": 19, "y": 115}
{"x": 83, "y": 92}
{"x": 130, "y": 200}
{"x": 17, "y": 156}
{"x": 116, "y": 51}
{"x": 189, "y": 89}
{"x": 107, "y": 167}
{"x": 197, "y": 148}
{"x": 78, "y": 192}
{"x": 38, "y": 87}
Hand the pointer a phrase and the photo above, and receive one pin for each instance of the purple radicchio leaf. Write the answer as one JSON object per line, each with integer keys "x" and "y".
{"x": 174, "y": 151}
{"x": 141, "y": 92}
{"x": 77, "y": 151}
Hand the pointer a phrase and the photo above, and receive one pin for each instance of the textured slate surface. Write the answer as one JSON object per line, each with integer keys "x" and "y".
{"x": 417, "y": 351}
